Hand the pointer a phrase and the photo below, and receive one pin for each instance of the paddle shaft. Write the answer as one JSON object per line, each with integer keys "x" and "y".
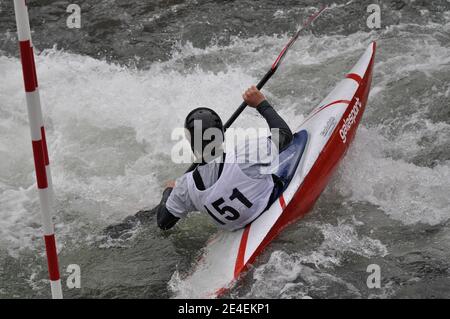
{"x": 241, "y": 107}
{"x": 268, "y": 75}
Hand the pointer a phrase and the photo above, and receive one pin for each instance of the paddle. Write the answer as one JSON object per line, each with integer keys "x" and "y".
{"x": 145, "y": 216}
{"x": 269, "y": 73}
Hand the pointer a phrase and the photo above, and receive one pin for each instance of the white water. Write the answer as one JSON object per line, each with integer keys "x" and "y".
{"x": 300, "y": 274}
{"x": 406, "y": 192}
{"x": 109, "y": 141}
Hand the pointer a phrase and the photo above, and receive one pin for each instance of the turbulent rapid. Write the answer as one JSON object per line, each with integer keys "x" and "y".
{"x": 114, "y": 90}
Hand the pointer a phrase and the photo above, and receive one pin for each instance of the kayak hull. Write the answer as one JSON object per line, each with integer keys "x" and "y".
{"x": 321, "y": 173}
{"x": 331, "y": 128}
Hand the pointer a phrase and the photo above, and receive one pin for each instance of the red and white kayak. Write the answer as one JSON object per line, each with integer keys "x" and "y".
{"x": 324, "y": 136}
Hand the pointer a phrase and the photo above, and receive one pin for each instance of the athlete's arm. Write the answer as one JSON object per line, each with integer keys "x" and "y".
{"x": 254, "y": 98}
{"x": 164, "y": 218}
{"x": 175, "y": 204}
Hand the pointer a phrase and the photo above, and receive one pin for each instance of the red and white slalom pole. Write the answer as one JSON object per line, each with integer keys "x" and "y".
{"x": 40, "y": 153}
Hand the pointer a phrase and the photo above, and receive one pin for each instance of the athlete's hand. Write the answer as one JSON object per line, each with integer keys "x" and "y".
{"x": 170, "y": 184}
{"x": 253, "y": 97}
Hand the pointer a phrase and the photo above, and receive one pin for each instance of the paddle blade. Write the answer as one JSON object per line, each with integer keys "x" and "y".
{"x": 295, "y": 37}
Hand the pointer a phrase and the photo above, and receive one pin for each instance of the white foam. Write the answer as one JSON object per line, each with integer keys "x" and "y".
{"x": 108, "y": 131}
{"x": 301, "y": 274}
{"x": 405, "y": 191}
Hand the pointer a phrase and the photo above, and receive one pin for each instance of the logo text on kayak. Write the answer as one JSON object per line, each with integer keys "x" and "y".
{"x": 348, "y": 122}
{"x": 331, "y": 124}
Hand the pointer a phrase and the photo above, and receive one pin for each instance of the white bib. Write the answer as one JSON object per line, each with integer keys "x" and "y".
{"x": 235, "y": 199}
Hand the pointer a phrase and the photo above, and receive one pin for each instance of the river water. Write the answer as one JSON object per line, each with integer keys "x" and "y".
{"x": 113, "y": 91}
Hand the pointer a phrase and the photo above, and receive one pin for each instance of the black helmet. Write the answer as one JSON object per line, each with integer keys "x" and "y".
{"x": 207, "y": 119}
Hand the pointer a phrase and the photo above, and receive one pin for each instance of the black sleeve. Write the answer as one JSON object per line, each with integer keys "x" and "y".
{"x": 164, "y": 218}
{"x": 276, "y": 122}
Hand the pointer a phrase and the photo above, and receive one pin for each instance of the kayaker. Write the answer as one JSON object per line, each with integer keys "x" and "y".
{"x": 233, "y": 193}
